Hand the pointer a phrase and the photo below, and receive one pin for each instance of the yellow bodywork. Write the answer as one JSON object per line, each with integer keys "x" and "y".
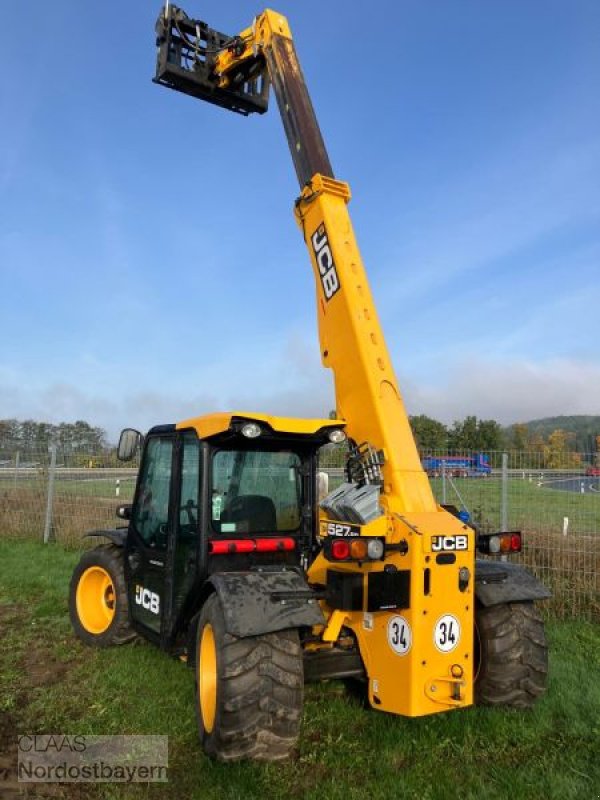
{"x": 258, "y": 36}
{"x": 212, "y": 424}
{"x": 418, "y": 660}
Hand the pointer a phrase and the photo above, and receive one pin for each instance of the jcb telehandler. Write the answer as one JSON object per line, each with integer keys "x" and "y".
{"x": 229, "y": 556}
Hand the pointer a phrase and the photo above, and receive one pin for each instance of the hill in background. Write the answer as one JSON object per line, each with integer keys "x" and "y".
{"x": 584, "y": 428}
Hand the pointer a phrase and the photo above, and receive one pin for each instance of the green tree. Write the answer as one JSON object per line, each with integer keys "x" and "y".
{"x": 463, "y": 435}
{"x": 429, "y": 433}
{"x": 9, "y": 435}
{"x": 474, "y": 434}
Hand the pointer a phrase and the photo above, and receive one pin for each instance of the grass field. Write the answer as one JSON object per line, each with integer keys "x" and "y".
{"x": 49, "y": 683}
{"x": 531, "y": 507}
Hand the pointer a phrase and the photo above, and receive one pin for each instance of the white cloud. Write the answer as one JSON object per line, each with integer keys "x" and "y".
{"x": 509, "y": 390}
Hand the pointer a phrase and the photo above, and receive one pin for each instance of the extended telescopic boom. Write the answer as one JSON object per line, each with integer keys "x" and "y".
{"x": 235, "y": 72}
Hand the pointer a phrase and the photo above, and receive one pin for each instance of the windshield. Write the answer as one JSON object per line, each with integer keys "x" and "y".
{"x": 256, "y": 492}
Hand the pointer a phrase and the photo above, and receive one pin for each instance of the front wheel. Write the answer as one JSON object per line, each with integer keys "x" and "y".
{"x": 98, "y": 598}
{"x": 249, "y": 691}
{"x": 512, "y": 654}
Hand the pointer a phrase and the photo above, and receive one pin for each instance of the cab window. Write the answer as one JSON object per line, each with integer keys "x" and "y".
{"x": 256, "y": 492}
{"x": 151, "y": 511}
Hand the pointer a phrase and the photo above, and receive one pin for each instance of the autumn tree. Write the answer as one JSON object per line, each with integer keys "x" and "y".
{"x": 519, "y": 437}
{"x": 557, "y": 453}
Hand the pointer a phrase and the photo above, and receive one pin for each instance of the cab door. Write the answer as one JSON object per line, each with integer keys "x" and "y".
{"x": 184, "y": 550}
{"x": 150, "y": 529}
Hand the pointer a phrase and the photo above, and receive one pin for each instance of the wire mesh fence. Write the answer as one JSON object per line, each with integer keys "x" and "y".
{"x": 55, "y": 495}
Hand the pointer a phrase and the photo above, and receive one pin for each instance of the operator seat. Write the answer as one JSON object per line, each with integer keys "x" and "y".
{"x": 255, "y": 510}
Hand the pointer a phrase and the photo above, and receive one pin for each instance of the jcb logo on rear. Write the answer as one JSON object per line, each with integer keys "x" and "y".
{"x": 460, "y": 542}
{"x": 324, "y": 257}
{"x": 147, "y": 599}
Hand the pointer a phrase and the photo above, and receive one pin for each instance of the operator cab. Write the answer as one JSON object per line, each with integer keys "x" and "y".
{"x": 218, "y": 493}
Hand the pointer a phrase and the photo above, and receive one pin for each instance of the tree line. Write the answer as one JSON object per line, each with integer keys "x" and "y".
{"x": 29, "y": 437}
{"x": 554, "y": 449}
{"x": 557, "y": 449}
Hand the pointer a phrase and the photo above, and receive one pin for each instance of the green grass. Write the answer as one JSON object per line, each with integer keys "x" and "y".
{"x": 87, "y": 487}
{"x": 50, "y": 683}
{"x": 531, "y": 507}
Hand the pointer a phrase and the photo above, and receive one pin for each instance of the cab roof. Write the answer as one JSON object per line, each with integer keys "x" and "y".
{"x": 221, "y": 422}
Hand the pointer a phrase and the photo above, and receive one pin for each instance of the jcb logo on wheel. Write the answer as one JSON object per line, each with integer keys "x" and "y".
{"x": 460, "y": 542}
{"x": 324, "y": 257}
{"x": 147, "y": 599}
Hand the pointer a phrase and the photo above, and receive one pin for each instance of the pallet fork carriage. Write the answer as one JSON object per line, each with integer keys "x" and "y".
{"x": 229, "y": 555}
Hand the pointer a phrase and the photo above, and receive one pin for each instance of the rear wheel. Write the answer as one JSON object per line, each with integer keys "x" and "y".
{"x": 249, "y": 691}
{"x": 98, "y": 598}
{"x": 512, "y": 653}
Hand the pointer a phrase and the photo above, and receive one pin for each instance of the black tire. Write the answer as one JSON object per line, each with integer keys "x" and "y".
{"x": 109, "y": 559}
{"x": 512, "y": 668}
{"x": 258, "y": 695}
{"x": 357, "y": 690}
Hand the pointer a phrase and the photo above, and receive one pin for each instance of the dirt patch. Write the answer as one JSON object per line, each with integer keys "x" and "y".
{"x": 9, "y": 787}
{"x": 38, "y": 667}
{"x": 10, "y": 613}
{"x": 42, "y": 668}
{"x": 11, "y": 727}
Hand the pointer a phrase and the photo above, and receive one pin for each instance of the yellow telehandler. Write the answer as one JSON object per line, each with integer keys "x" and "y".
{"x": 231, "y": 558}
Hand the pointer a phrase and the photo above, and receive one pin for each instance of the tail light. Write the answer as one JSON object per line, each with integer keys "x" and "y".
{"x": 500, "y": 543}
{"x": 354, "y": 548}
{"x": 266, "y": 545}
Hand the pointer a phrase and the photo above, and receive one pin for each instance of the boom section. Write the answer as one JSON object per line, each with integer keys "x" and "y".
{"x": 353, "y": 346}
{"x": 236, "y": 72}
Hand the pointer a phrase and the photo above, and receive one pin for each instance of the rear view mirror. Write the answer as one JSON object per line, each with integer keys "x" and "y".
{"x": 124, "y": 512}
{"x": 129, "y": 441}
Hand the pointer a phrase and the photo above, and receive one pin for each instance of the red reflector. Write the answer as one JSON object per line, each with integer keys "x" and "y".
{"x": 515, "y": 542}
{"x": 271, "y": 545}
{"x": 221, "y": 546}
{"x": 340, "y": 549}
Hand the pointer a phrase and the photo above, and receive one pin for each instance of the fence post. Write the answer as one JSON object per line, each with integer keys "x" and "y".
{"x": 504, "y": 502}
{"x": 51, "y": 476}
{"x": 504, "y": 499}
{"x": 17, "y": 462}
{"x": 443, "y": 482}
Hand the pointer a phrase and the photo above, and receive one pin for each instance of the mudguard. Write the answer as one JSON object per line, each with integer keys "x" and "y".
{"x": 116, "y": 535}
{"x": 502, "y": 582}
{"x": 265, "y": 601}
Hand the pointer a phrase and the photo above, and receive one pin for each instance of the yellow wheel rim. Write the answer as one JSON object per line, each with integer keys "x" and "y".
{"x": 207, "y": 678}
{"x": 95, "y": 600}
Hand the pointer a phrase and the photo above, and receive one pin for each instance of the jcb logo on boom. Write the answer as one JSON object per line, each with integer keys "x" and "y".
{"x": 460, "y": 542}
{"x": 147, "y": 599}
{"x": 327, "y": 270}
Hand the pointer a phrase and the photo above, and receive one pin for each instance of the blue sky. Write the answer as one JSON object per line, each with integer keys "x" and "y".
{"x": 150, "y": 266}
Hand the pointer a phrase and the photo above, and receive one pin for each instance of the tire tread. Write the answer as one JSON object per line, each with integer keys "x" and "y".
{"x": 513, "y": 666}
{"x": 261, "y": 686}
